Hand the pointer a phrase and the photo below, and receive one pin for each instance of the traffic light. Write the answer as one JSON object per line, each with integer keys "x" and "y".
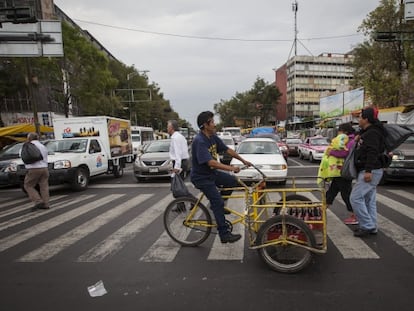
{"x": 17, "y": 15}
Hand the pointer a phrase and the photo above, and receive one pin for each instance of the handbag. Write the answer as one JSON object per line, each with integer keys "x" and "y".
{"x": 178, "y": 187}
{"x": 349, "y": 170}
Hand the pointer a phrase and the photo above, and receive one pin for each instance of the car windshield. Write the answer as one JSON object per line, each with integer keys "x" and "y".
{"x": 158, "y": 146}
{"x": 227, "y": 141}
{"x": 293, "y": 141}
{"x": 258, "y": 147}
{"x": 268, "y": 135}
{"x": 320, "y": 142}
{"x": 11, "y": 151}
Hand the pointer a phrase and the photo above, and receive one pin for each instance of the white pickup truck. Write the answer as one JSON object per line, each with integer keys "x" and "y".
{"x": 85, "y": 147}
{"x": 313, "y": 148}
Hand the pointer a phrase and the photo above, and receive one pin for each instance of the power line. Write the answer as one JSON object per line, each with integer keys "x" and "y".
{"x": 206, "y": 37}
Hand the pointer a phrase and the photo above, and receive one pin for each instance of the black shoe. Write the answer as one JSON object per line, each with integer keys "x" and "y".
{"x": 38, "y": 206}
{"x": 364, "y": 232}
{"x": 230, "y": 237}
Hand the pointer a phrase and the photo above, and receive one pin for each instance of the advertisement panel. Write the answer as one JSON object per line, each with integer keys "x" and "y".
{"x": 341, "y": 103}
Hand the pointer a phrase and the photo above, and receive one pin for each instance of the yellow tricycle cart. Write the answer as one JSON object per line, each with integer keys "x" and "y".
{"x": 285, "y": 225}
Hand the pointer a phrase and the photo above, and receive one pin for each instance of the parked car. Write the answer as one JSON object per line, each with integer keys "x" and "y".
{"x": 281, "y": 144}
{"x": 9, "y": 161}
{"x": 229, "y": 142}
{"x": 402, "y": 164}
{"x": 154, "y": 161}
{"x": 266, "y": 155}
{"x": 292, "y": 145}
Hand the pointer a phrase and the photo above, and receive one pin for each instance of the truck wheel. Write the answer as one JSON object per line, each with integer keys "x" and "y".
{"x": 80, "y": 180}
{"x": 118, "y": 171}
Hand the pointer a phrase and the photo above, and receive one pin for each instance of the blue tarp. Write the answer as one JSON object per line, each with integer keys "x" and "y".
{"x": 258, "y": 130}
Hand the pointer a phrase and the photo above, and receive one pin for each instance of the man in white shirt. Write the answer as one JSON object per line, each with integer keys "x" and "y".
{"x": 178, "y": 148}
{"x": 37, "y": 174}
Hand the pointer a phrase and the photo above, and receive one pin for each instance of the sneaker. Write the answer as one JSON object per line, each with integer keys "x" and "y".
{"x": 230, "y": 237}
{"x": 351, "y": 220}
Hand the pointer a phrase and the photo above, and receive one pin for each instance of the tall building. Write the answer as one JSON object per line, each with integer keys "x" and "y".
{"x": 303, "y": 79}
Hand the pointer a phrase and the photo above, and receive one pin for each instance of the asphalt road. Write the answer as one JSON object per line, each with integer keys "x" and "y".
{"x": 114, "y": 232}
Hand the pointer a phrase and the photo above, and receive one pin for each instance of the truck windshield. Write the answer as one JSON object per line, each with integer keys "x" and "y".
{"x": 72, "y": 145}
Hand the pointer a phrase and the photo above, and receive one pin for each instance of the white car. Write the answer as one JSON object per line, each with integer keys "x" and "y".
{"x": 229, "y": 142}
{"x": 266, "y": 155}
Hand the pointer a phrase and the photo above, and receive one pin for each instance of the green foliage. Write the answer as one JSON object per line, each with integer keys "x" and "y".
{"x": 379, "y": 66}
{"x": 261, "y": 100}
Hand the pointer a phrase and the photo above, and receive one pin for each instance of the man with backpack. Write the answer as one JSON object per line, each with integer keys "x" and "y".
{"x": 370, "y": 146}
{"x": 37, "y": 174}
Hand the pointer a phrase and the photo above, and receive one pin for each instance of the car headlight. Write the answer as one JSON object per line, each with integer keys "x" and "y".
{"x": 398, "y": 156}
{"x": 61, "y": 164}
{"x": 11, "y": 168}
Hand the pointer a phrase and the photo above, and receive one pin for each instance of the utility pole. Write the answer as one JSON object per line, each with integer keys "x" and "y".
{"x": 295, "y": 43}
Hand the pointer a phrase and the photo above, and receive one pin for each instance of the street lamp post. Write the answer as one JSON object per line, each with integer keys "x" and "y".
{"x": 131, "y": 90}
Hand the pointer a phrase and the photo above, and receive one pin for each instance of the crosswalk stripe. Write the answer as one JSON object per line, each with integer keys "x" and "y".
{"x": 230, "y": 251}
{"x": 396, "y": 206}
{"x": 28, "y": 233}
{"x": 11, "y": 203}
{"x": 28, "y": 205}
{"x": 164, "y": 249}
{"x": 55, "y": 246}
{"x": 403, "y": 193}
{"x": 343, "y": 239}
{"x": 401, "y": 236}
{"x": 117, "y": 240}
{"x": 23, "y": 218}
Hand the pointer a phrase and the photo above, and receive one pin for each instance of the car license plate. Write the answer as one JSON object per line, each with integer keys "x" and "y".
{"x": 153, "y": 169}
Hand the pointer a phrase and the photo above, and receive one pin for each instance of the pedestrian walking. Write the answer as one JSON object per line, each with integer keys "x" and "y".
{"x": 368, "y": 161}
{"x": 37, "y": 174}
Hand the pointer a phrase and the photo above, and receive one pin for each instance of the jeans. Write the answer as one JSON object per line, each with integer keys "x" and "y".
{"x": 342, "y": 185}
{"x": 363, "y": 199}
{"x": 208, "y": 185}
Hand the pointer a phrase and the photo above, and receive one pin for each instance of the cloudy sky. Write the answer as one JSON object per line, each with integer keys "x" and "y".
{"x": 200, "y": 52}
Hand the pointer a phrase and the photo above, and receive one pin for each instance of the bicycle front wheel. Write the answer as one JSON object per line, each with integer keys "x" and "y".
{"x": 285, "y": 256}
{"x": 187, "y": 222}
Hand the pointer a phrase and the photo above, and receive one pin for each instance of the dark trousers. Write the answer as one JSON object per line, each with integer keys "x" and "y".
{"x": 208, "y": 185}
{"x": 184, "y": 166}
{"x": 342, "y": 185}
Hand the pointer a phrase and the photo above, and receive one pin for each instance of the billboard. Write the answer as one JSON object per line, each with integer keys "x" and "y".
{"x": 341, "y": 103}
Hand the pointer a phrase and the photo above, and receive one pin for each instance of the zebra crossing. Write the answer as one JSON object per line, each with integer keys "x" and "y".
{"x": 19, "y": 225}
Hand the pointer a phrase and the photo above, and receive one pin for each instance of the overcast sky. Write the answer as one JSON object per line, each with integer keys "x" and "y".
{"x": 165, "y": 37}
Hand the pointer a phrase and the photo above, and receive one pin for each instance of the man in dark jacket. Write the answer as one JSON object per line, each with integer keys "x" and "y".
{"x": 370, "y": 146}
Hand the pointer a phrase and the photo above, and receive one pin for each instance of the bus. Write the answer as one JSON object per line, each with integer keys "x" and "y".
{"x": 141, "y": 135}
{"x": 185, "y": 131}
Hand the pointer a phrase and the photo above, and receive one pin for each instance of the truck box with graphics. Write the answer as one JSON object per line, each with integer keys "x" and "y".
{"x": 87, "y": 146}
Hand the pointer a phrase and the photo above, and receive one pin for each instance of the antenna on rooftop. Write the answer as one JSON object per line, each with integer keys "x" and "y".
{"x": 295, "y": 10}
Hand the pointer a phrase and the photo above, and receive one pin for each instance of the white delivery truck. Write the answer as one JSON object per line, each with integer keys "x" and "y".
{"x": 88, "y": 146}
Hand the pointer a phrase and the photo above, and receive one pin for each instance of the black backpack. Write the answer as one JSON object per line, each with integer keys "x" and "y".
{"x": 30, "y": 153}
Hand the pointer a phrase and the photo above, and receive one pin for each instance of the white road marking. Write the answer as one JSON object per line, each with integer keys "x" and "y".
{"x": 53, "y": 247}
{"x": 116, "y": 241}
{"x": 28, "y": 233}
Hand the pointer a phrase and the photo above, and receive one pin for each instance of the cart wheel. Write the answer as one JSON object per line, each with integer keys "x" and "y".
{"x": 283, "y": 257}
{"x": 196, "y": 230}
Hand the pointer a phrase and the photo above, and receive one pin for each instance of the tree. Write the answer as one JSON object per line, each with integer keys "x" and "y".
{"x": 385, "y": 68}
{"x": 260, "y": 101}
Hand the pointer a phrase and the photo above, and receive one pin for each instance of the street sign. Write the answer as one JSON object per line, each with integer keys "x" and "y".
{"x": 43, "y": 38}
